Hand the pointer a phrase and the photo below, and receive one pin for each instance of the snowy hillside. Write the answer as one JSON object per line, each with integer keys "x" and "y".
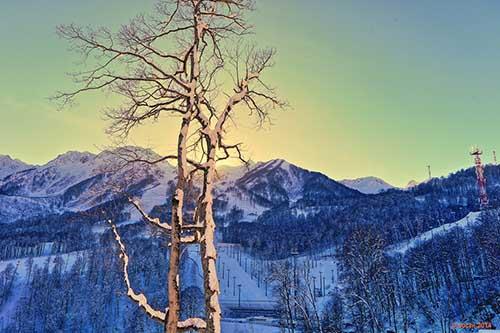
{"x": 464, "y": 223}
{"x": 8, "y": 166}
{"x": 267, "y": 187}
{"x": 68, "y": 170}
{"x": 265, "y": 191}
{"x": 367, "y": 185}
{"x": 77, "y": 181}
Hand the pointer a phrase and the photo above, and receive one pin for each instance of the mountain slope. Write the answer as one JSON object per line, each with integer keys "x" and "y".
{"x": 397, "y": 214}
{"x": 464, "y": 223}
{"x": 8, "y": 166}
{"x": 273, "y": 192}
{"x": 273, "y": 209}
{"x": 276, "y": 185}
{"x": 77, "y": 181}
{"x": 459, "y": 189}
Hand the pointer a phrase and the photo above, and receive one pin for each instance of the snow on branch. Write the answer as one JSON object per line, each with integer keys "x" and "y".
{"x": 192, "y": 226}
{"x": 154, "y": 221}
{"x": 140, "y": 299}
{"x": 186, "y": 325}
{"x": 192, "y": 324}
{"x": 189, "y": 239}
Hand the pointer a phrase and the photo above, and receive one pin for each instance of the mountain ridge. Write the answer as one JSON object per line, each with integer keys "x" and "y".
{"x": 76, "y": 181}
{"x": 9, "y": 165}
{"x": 266, "y": 192}
{"x": 368, "y": 184}
{"x": 136, "y": 151}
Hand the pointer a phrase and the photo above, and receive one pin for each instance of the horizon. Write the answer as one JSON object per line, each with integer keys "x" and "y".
{"x": 383, "y": 89}
{"x": 228, "y": 164}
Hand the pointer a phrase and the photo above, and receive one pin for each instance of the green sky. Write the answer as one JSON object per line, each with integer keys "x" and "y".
{"x": 377, "y": 88}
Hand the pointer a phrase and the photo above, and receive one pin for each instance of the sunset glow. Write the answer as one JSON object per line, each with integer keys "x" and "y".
{"x": 376, "y": 88}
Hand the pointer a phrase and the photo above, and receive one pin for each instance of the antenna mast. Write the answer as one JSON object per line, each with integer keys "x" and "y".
{"x": 481, "y": 179}
{"x": 429, "y": 171}
{"x": 495, "y": 157}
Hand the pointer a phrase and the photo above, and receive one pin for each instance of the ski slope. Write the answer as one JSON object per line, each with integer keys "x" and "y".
{"x": 400, "y": 249}
{"x": 230, "y": 274}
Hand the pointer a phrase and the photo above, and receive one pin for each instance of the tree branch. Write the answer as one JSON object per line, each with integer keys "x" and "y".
{"x": 140, "y": 299}
{"x": 154, "y": 221}
{"x": 186, "y": 325}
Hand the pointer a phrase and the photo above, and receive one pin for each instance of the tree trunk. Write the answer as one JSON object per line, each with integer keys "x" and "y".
{"x": 208, "y": 250}
{"x": 177, "y": 205}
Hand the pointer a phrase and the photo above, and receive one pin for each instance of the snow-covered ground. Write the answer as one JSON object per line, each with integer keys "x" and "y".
{"x": 251, "y": 325}
{"x": 324, "y": 268}
{"x": 234, "y": 274}
{"x": 243, "y": 282}
{"x": 247, "y": 270}
{"x": 471, "y": 219}
{"x": 7, "y": 310}
{"x": 231, "y": 274}
{"x": 153, "y": 196}
{"x": 69, "y": 260}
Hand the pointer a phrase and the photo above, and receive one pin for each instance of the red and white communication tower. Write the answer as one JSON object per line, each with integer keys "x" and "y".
{"x": 481, "y": 179}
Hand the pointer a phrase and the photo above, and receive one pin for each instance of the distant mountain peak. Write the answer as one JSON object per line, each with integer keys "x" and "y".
{"x": 277, "y": 161}
{"x": 263, "y": 169}
{"x": 72, "y": 157}
{"x": 9, "y": 158}
{"x": 135, "y": 151}
{"x": 271, "y": 164}
{"x": 9, "y": 165}
{"x": 367, "y": 185}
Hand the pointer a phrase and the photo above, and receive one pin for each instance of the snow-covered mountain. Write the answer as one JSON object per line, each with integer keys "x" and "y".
{"x": 72, "y": 168}
{"x": 78, "y": 181}
{"x": 9, "y": 165}
{"x": 367, "y": 185}
{"x": 279, "y": 185}
{"x": 473, "y": 218}
{"x": 268, "y": 192}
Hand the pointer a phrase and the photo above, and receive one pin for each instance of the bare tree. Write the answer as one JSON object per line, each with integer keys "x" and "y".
{"x": 171, "y": 63}
{"x": 366, "y": 268}
{"x": 295, "y": 287}
{"x": 258, "y": 98}
{"x": 283, "y": 278}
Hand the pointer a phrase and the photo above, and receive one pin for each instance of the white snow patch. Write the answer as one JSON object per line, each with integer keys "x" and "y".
{"x": 367, "y": 185}
{"x": 250, "y": 325}
{"x": 471, "y": 219}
